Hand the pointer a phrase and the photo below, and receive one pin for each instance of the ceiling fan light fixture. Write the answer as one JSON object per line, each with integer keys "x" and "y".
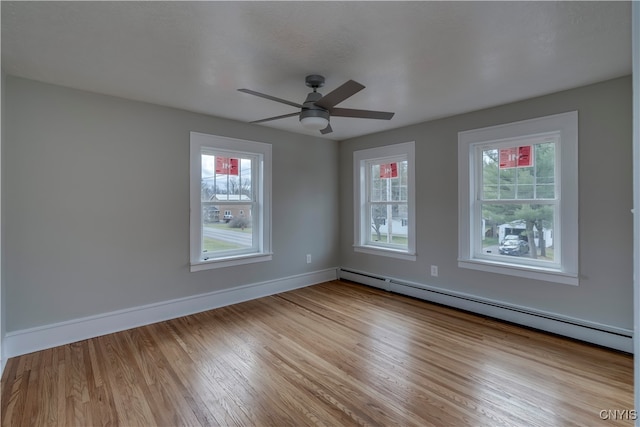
{"x": 312, "y": 117}
{"x": 314, "y": 123}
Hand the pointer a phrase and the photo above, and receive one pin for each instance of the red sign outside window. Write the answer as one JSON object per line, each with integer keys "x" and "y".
{"x": 516, "y": 157}
{"x": 524, "y": 157}
{"x": 388, "y": 170}
{"x": 226, "y": 165}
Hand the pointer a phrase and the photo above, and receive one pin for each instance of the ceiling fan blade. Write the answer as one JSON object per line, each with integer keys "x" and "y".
{"x": 284, "y": 116}
{"x": 362, "y": 114}
{"x": 327, "y": 129}
{"x": 340, "y": 94}
{"x": 272, "y": 98}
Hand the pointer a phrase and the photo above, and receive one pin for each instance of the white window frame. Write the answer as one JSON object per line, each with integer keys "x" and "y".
{"x": 200, "y": 142}
{"x": 565, "y": 125}
{"x": 362, "y": 222}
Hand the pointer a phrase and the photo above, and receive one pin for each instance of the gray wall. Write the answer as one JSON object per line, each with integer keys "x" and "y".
{"x": 96, "y": 204}
{"x": 605, "y": 294}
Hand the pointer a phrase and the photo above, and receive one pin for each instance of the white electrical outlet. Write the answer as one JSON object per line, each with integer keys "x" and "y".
{"x": 434, "y": 270}
{"x": 308, "y": 258}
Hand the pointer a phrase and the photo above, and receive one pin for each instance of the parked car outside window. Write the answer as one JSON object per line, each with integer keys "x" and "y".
{"x": 513, "y": 245}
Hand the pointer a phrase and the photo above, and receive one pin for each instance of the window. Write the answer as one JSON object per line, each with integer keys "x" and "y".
{"x": 518, "y": 198}
{"x": 384, "y": 201}
{"x": 228, "y": 178}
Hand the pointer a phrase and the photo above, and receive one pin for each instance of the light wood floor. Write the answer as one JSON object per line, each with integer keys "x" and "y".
{"x": 334, "y": 354}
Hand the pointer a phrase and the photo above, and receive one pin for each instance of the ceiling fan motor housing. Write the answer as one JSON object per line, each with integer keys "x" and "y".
{"x": 310, "y": 109}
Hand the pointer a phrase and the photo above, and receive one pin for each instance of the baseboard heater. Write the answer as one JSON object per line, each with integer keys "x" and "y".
{"x": 595, "y": 333}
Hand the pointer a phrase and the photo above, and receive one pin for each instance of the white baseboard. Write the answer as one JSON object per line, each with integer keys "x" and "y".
{"x": 584, "y": 330}
{"x": 42, "y": 337}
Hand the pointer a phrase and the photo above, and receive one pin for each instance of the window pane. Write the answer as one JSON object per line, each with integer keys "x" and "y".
{"x": 226, "y": 178}
{"x": 490, "y": 174}
{"x": 389, "y": 224}
{"x": 504, "y": 177}
{"x": 545, "y": 170}
{"x": 379, "y": 185}
{"x": 208, "y": 187}
{"x": 518, "y": 230}
{"x": 525, "y": 178}
{"x": 388, "y": 181}
{"x": 226, "y": 227}
{"x": 507, "y": 184}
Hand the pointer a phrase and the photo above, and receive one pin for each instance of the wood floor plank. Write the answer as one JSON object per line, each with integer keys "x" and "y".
{"x": 101, "y": 402}
{"x": 61, "y": 395}
{"x": 15, "y": 392}
{"x": 336, "y": 353}
{"x": 30, "y": 411}
{"x": 76, "y": 386}
{"x": 47, "y": 391}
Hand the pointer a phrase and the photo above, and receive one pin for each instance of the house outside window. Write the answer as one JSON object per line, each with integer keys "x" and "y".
{"x": 384, "y": 202}
{"x": 228, "y": 178}
{"x": 518, "y": 198}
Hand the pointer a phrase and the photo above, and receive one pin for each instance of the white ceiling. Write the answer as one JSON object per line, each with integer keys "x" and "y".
{"x": 422, "y": 60}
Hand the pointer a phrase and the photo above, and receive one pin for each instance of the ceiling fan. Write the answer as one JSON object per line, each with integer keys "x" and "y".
{"x": 316, "y": 110}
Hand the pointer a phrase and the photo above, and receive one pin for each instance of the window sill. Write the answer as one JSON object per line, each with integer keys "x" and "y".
{"x": 392, "y": 253}
{"x": 230, "y": 261}
{"x": 536, "y": 273}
